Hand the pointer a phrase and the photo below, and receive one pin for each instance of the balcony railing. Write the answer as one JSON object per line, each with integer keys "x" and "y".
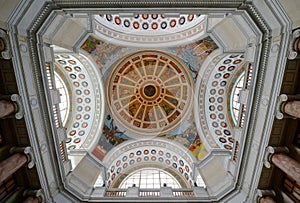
{"x": 115, "y": 192}
{"x": 55, "y": 109}
{"x": 183, "y": 192}
{"x": 149, "y": 192}
{"x": 152, "y": 193}
{"x": 49, "y": 75}
{"x": 249, "y": 76}
{"x": 242, "y": 115}
{"x": 236, "y": 151}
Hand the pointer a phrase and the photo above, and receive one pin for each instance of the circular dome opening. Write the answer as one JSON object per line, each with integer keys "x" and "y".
{"x": 149, "y": 92}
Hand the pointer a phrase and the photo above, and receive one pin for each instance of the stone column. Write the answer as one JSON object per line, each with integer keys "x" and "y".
{"x": 11, "y": 106}
{"x": 11, "y": 165}
{"x": 5, "y": 52}
{"x": 31, "y": 200}
{"x": 6, "y": 108}
{"x": 4, "y": 151}
{"x": 266, "y": 199}
{"x": 292, "y": 108}
{"x": 34, "y": 196}
{"x": 297, "y": 45}
{"x": 2, "y": 45}
{"x": 294, "y": 47}
{"x": 265, "y": 196}
{"x": 288, "y": 165}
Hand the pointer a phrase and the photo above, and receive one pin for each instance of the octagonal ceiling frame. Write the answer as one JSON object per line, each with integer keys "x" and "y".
{"x": 25, "y": 35}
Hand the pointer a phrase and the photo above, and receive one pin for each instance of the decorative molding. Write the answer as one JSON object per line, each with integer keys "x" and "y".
{"x": 6, "y": 53}
{"x": 270, "y": 151}
{"x": 281, "y": 100}
{"x": 263, "y": 193}
{"x": 18, "y": 101}
{"x": 36, "y": 193}
{"x": 147, "y": 40}
{"x": 294, "y": 40}
{"x": 119, "y": 150}
{"x": 146, "y": 4}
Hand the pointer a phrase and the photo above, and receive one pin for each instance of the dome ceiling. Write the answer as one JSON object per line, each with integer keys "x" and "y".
{"x": 149, "y": 93}
{"x": 226, "y": 154}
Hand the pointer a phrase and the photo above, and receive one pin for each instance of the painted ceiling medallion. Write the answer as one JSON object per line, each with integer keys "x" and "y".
{"x": 149, "y": 92}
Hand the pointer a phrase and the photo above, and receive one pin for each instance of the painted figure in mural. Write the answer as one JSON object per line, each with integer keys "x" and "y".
{"x": 99, "y": 50}
{"x": 190, "y": 139}
{"x": 110, "y": 133}
{"x": 198, "y": 149}
{"x": 204, "y": 48}
{"x": 194, "y": 72}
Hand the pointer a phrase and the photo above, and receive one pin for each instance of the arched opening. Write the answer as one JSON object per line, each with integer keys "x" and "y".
{"x": 234, "y": 97}
{"x": 64, "y": 105}
{"x": 150, "y": 178}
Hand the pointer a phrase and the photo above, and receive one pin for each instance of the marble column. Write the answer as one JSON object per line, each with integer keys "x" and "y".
{"x": 292, "y": 108}
{"x": 294, "y": 47}
{"x": 11, "y": 165}
{"x": 6, "y": 108}
{"x": 34, "y": 196}
{"x": 288, "y": 165}
{"x": 297, "y": 45}
{"x": 31, "y": 200}
{"x": 266, "y": 199}
{"x": 2, "y": 45}
{"x": 265, "y": 196}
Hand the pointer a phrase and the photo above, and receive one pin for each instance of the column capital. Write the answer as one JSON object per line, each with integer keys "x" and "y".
{"x": 6, "y": 52}
{"x": 294, "y": 43}
{"x": 27, "y": 151}
{"x": 18, "y": 101}
{"x": 270, "y": 151}
{"x": 17, "y": 110}
{"x": 263, "y": 193}
{"x": 281, "y": 101}
{"x": 35, "y": 193}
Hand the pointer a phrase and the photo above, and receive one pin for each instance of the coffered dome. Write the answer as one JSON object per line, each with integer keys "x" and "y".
{"x": 150, "y": 92}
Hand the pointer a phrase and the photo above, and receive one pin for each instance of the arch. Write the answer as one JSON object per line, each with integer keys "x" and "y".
{"x": 212, "y": 93}
{"x": 110, "y": 28}
{"x": 158, "y": 152}
{"x": 150, "y": 177}
{"x": 86, "y": 98}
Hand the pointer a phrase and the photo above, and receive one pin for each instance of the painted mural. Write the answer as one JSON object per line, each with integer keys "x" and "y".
{"x": 104, "y": 53}
{"x": 188, "y": 136}
{"x": 111, "y": 137}
{"x": 193, "y": 55}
